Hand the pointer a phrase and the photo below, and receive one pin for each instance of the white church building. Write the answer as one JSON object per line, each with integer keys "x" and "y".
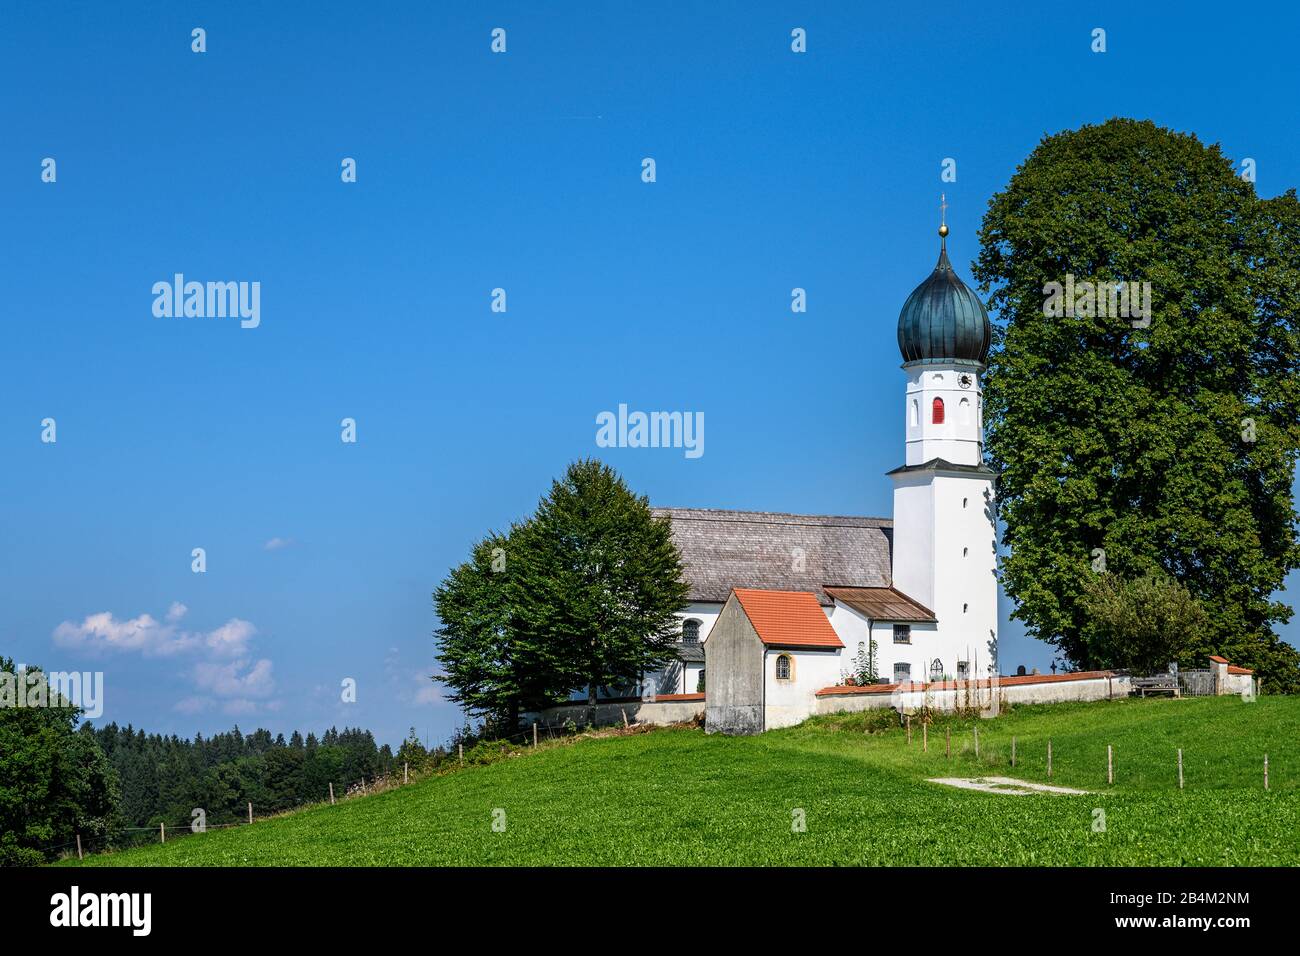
{"x": 785, "y": 605}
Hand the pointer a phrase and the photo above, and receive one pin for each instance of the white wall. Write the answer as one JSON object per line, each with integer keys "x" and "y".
{"x": 945, "y": 558}
{"x": 1048, "y": 692}
{"x": 787, "y": 703}
{"x": 966, "y": 589}
{"x": 914, "y": 533}
{"x": 960, "y": 439}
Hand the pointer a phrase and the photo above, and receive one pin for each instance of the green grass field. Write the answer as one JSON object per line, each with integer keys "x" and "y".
{"x": 677, "y": 796}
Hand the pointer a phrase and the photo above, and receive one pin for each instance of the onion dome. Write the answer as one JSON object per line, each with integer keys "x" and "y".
{"x": 942, "y": 320}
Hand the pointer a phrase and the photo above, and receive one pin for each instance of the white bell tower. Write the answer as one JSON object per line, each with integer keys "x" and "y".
{"x": 945, "y": 528}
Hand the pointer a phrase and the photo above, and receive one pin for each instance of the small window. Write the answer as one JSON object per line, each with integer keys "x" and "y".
{"x": 784, "y": 667}
{"x": 690, "y": 631}
{"x": 902, "y": 633}
{"x": 936, "y": 413}
{"x": 902, "y": 672}
{"x": 963, "y": 670}
{"x": 936, "y": 669}
{"x": 963, "y": 411}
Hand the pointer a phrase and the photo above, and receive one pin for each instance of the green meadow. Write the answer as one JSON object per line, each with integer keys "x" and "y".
{"x": 859, "y": 789}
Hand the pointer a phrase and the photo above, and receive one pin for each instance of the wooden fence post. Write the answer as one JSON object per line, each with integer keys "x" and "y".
{"x": 406, "y": 772}
{"x": 162, "y": 833}
{"x": 534, "y": 733}
{"x": 908, "y": 720}
{"x": 977, "y": 741}
{"x": 250, "y": 811}
{"x": 1110, "y": 764}
{"x": 947, "y": 742}
{"x": 925, "y": 737}
{"x": 1049, "y": 758}
{"x": 1180, "y": 768}
{"x": 331, "y": 793}
{"x": 1265, "y": 787}
{"x": 460, "y": 748}
{"x": 1013, "y": 751}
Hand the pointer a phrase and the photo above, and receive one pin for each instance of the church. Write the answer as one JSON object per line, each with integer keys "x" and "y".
{"x": 783, "y": 606}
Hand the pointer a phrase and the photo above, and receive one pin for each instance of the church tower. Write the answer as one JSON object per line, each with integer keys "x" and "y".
{"x": 945, "y": 537}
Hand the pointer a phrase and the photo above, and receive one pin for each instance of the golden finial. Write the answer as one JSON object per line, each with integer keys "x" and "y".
{"x": 943, "y": 219}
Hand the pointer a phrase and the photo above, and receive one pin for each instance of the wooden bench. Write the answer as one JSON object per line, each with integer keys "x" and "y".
{"x": 1162, "y": 684}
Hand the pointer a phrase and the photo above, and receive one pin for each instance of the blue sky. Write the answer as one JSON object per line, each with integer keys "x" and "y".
{"x": 478, "y": 171}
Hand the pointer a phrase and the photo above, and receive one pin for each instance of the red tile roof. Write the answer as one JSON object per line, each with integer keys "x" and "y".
{"x": 1218, "y": 660}
{"x": 787, "y": 618}
{"x": 953, "y": 685}
{"x": 1234, "y": 669}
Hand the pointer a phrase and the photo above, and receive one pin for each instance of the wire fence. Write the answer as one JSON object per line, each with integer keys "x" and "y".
{"x": 122, "y": 838}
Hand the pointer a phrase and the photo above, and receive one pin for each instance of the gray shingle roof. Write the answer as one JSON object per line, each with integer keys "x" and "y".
{"x": 722, "y": 550}
{"x": 690, "y": 653}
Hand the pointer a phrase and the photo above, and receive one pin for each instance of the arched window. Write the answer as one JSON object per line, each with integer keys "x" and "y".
{"x": 690, "y": 631}
{"x": 916, "y": 413}
{"x": 936, "y": 670}
{"x": 784, "y": 667}
{"x": 963, "y": 411}
{"x": 936, "y": 415}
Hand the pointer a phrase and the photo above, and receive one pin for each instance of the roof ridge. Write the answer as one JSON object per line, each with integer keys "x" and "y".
{"x": 735, "y": 514}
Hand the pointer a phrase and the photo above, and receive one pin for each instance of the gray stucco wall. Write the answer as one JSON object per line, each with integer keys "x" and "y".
{"x": 733, "y": 661}
{"x": 659, "y": 713}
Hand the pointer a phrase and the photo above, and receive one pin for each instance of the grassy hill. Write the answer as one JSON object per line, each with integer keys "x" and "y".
{"x": 680, "y": 797}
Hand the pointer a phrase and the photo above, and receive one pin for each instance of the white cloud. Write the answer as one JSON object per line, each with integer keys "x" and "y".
{"x": 235, "y": 679}
{"x": 223, "y": 675}
{"x": 104, "y": 632}
{"x": 230, "y": 639}
{"x": 277, "y": 544}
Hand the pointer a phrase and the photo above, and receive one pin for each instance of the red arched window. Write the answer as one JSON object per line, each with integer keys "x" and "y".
{"x": 936, "y": 416}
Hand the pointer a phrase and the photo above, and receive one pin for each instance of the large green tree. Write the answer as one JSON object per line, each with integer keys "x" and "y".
{"x": 55, "y": 782}
{"x": 491, "y": 662}
{"x": 581, "y": 595}
{"x": 1141, "y": 446}
{"x": 600, "y": 580}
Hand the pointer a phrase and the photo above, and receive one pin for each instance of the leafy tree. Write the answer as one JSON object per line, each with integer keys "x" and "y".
{"x": 55, "y": 781}
{"x": 1143, "y": 624}
{"x": 599, "y": 581}
{"x": 583, "y": 594}
{"x": 1146, "y": 447}
{"x": 487, "y": 660}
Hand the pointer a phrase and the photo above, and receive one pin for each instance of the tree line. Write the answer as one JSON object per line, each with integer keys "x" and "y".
{"x": 60, "y": 778}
